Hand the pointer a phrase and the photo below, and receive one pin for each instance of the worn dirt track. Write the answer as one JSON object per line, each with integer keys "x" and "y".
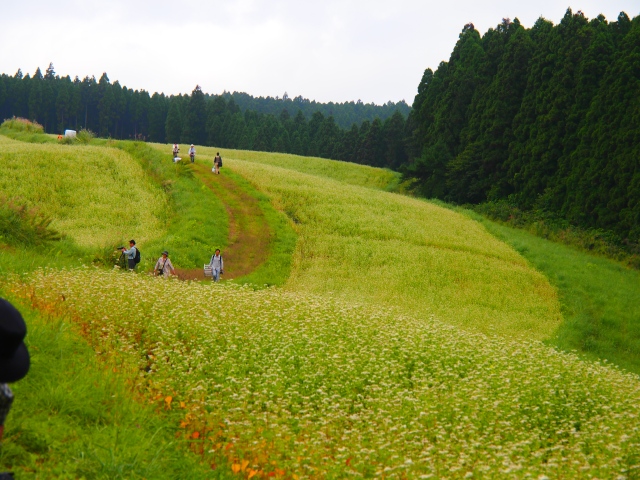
{"x": 249, "y": 233}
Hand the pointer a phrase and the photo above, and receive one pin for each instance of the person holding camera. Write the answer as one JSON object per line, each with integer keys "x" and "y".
{"x": 164, "y": 266}
{"x": 131, "y": 255}
{"x": 14, "y": 357}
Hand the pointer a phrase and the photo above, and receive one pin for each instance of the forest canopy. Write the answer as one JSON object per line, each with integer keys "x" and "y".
{"x": 545, "y": 118}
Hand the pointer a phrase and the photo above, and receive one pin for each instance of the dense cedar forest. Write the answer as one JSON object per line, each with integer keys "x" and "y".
{"x": 237, "y": 120}
{"x": 546, "y": 118}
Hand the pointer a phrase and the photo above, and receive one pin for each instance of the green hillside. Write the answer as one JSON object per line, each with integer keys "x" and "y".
{"x": 95, "y": 195}
{"x": 390, "y": 250}
{"x": 404, "y": 342}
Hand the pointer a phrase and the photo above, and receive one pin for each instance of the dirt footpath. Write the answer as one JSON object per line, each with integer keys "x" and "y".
{"x": 249, "y": 234}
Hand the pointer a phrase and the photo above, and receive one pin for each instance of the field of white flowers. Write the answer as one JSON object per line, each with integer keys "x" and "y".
{"x": 95, "y": 195}
{"x": 306, "y": 386}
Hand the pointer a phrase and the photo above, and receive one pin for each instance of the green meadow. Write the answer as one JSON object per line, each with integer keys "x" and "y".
{"x": 381, "y": 336}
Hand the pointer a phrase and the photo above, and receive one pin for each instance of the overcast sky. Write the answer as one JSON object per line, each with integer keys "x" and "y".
{"x": 333, "y": 50}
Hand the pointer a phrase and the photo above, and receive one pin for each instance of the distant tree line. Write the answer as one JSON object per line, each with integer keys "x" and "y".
{"x": 546, "y": 118}
{"x": 231, "y": 120}
{"x": 345, "y": 114}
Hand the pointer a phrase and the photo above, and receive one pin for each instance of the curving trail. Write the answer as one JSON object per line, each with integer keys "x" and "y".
{"x": 249, "y": 233}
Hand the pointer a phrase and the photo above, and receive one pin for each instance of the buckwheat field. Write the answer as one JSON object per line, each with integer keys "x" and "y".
{"x": 306, "y": 386}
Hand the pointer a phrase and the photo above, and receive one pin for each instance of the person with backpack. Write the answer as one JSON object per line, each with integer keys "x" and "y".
{"x": 217, "y": 265}
{"x": 132, "y": 255}
{"x": 217, "y": 163}
{"x": 192, "y": 153}
{"x": 164, "y": 266}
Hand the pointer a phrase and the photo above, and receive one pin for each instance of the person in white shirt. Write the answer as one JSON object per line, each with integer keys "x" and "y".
{"x": 164, "y": 266}
{"x": 217, "y": 265}
{"x": 192, "y": 153}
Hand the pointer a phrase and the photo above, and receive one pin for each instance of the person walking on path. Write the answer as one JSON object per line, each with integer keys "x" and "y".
{"x": 217, "y": 265}
{"x": 217, "y": 163}
{"x": 176, "y": 150}
{"x": 164, "y": 265}
{"x": 131, "y": 255}
{"x": 14, "y": 357}
{"x": 192, "y": 153}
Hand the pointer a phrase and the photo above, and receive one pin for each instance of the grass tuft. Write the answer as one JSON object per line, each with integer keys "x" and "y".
{"x": 22, "y": 125}
{"x": 21, "y": 225}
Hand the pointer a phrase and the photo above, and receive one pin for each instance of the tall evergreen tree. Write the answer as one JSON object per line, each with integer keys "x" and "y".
{"x": 195, "y": 119}
{"x": 106, "y": 105}
{"x": 158, "y": 112}
{"x": 394, "y": 138}
{"x": 173, "y": 124}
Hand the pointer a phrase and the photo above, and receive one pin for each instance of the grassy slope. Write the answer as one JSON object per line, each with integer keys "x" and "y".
{"x": 355, "y": 242}
{"x": 87, "y": 424}
{"x": 345, "y": 172}
{"x": 600, "y": 298}
{"x": 402, "y": 356}
{"x": 84, "y": 421}
{"x": 198, "y": 222}
{"x": 291, "y": 384}
{"x": 128, "y": 190}
{"x": 117, "y": 199}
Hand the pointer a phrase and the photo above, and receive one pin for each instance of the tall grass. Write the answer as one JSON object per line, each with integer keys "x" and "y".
{"x": 95, "y": 195}
{"x": 20, "y": 225}
{"x": 389, "y": 250}
{"x": 346, "y": 172}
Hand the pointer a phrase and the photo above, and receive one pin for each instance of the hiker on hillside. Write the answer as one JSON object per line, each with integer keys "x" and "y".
{"x": 217, "y": 163}
{"x": 164, "y": 265}
{"x": 176, "y": 150}
{"x": 217, "y": 265}
{"x": 14, "y": 356}
{"x": 192, "y": 153}
{"x": 131, "y": 254}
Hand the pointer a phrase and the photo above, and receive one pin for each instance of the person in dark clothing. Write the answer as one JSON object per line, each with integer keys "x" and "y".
{"x": 14, "y": 359}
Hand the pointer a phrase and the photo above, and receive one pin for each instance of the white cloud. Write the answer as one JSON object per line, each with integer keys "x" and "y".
{"x": 328, "y": 51}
